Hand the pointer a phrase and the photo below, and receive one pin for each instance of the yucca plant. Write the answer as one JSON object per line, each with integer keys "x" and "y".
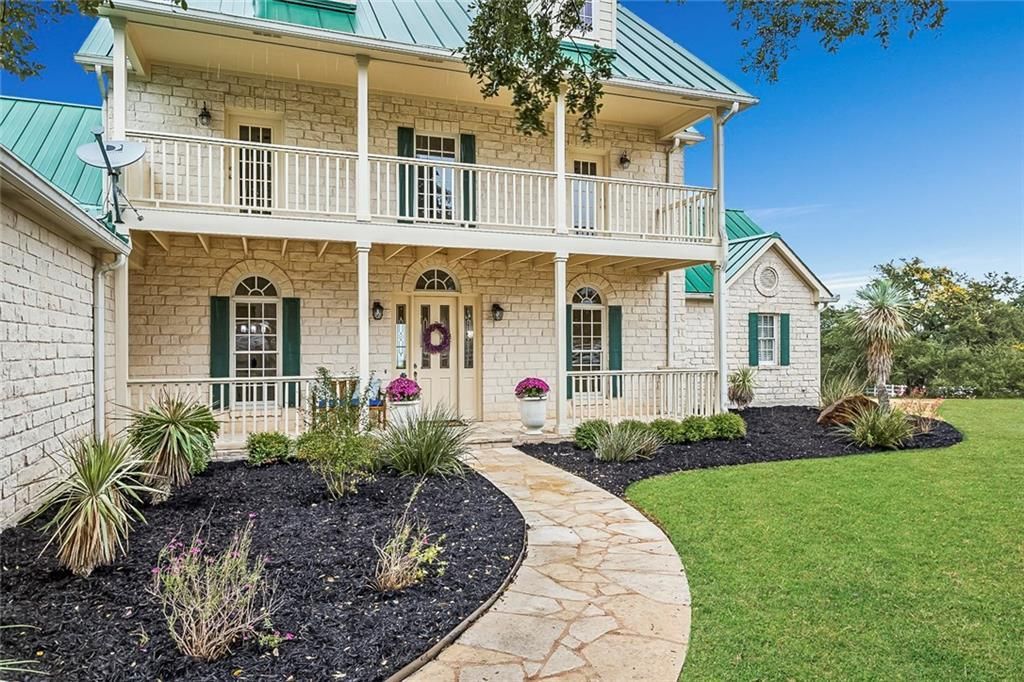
{"x": 97, "y": 499}
{"x": 626, "y": 443}
{"x": 741, "y": 386}
{"x": 880, "y": 321}
{"x": 172, "y": 436}
{"x": 433, "y": 443}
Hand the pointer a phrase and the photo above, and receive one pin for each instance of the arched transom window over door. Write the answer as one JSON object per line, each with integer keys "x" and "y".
{"x": 256, "y": 330}
{"x": 588, "y": 331}
{"x": 436, "y": 280}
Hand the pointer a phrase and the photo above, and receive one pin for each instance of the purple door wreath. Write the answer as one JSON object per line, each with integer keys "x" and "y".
{"x": 428, "y": 338}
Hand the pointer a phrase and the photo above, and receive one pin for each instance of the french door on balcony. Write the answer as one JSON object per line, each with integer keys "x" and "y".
{"x": 435, "y": 185}
{"x": 586, "y": 195}
{"x": 254, "y": 166}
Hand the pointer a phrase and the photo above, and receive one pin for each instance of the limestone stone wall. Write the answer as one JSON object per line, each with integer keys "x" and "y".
{"x": 324, "y": 117}
{"x": 46, "y": 352}
{"x": 795, "y": 384}
{"x": 169, "y": 301}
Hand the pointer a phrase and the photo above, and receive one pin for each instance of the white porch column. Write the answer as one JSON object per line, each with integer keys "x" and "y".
{"x": 363, "y": 137}
{"x": 561, "y": 348}
{"x": 561, "y": 186}
{"x": 119, "y": 87}
{"x": 721, "y": 297}
{"x": 363, "y": 297}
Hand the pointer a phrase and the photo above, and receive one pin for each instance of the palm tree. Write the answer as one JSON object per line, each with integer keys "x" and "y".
{"x": 881, "y": 320}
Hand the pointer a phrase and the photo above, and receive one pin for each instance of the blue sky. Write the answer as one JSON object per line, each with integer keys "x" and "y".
{"x": 856, "y": 158}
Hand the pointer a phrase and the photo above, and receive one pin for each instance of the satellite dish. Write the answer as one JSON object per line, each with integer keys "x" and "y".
{"x": 119, "y": 153}
{"x": 113, "y": 155}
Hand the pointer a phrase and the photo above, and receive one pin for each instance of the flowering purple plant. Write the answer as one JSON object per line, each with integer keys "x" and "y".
{"x": 403, "y": 390}
{"x": 532, "y": 387}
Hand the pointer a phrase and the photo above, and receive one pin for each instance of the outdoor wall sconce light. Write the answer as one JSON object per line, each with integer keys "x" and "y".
{"x": 624, "y": 160}
{"x": 497, "y": 312}
{"x": 378, "y": 311}
{"x": 205, "y": 117}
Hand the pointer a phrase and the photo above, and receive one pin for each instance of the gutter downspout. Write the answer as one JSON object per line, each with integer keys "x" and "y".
{"x": 723, "y": 238}
{"x": 99, "y": 364}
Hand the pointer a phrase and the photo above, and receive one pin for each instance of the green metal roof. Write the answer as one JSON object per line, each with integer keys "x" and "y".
{"x": 45, "y": 135}
{"x": 643, "y": 53}
{"x": 745, "y": 240}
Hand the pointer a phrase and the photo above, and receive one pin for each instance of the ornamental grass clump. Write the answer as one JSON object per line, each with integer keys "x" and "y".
{"x": 877, "y": 427}
{"x": 267, "y": 448}
{"x": 175, "y": 437}
{"x": 586, "y": 434}
{"x": 532, "y": 387}
{"x": 433, "y": 443}
{"x": 409, "y": 555}
{"x": 211, "y": 601}
{"x": 626, "y": 443}
{"x": 97, "y": 500}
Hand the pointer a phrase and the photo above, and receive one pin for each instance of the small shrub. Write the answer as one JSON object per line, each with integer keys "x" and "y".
{"x": 634, "y": 425}
{"x": 876, "y": 427}
{"x": 97, "y": 501}
{"x": 343, "y": 458}
{"x": 586, "y": 434}
{"x": 626, "y": 443}
{"x": 212, "y": 601}
{"x": 667, "y": 430}
{"x": 432, "y": 444}
{"x": 408, "y": 555}
{"x": 693, "y": 429}
{"x": 174, "y": 436}
{"x": 267, "y": 448}
{"x": 742, "y": 383}
{"x": 727, "y": 426}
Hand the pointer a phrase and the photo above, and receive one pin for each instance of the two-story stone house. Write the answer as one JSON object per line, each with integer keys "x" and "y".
{"x": 325, "y": 186}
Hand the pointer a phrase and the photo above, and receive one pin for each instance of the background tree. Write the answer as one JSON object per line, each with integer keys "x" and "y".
{"x": 19, "y": 20}
{"x": 968, "y": 332}
{"x": 517, "y": 45}
{"x": 880, "y": 321}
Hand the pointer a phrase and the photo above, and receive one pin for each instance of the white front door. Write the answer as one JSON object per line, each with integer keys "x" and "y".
{"x": 437, "y": 372}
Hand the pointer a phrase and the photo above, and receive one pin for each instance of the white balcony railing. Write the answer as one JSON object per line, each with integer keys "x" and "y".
{"x": 644, "y": 395}
{"x": 212, "y": 174}
{"x": 241, "y": 406}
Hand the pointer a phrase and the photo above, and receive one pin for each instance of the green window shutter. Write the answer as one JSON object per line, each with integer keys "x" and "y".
{"x": 615, "y": 345}
{"x": 220, "y": 348}
{"x": 784, "y": 339}
{"x": 291, "y": 343}
{"x": 406, "y": 174}
{"x": 568, "y": 349}
{"x": 752, "y": 339}
{"x": 467, "y": 154}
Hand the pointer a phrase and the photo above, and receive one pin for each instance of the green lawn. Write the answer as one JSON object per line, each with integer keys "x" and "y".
{"x": 885, "y": 566}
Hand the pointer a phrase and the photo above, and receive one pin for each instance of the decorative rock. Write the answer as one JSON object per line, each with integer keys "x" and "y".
{"x": 842, "y": 411}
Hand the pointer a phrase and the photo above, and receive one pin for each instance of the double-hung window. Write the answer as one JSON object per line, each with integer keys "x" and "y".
{"x": 768, "y": 339}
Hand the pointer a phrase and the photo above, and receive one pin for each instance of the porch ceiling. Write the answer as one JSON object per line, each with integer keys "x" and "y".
{"x": 145, "y": 242}
{"x": 270, "y": 56}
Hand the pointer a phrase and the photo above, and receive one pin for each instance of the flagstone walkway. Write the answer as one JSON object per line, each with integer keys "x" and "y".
{"x": 601, "y": 594}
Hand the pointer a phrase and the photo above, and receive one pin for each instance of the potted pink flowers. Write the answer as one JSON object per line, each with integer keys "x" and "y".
{"x": 533, "y": 403}
{"x": 404, "y": 399}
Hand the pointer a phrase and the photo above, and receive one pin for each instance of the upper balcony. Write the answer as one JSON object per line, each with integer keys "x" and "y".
{"x": 256, "y": 180}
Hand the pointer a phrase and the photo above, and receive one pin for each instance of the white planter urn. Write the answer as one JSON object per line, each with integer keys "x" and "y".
{"x": 533, "y": 412}
{"x": 403, "y": 412}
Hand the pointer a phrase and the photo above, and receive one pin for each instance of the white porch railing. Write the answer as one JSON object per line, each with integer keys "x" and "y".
{"x": 644, "y": 395}
{"x": 215, "y": 174}
{"x": 241, "y": 406}
{"x": 211, "y": 173}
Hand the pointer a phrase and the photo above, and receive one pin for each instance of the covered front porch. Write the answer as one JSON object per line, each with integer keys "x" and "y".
{"x": 243, "y": 325}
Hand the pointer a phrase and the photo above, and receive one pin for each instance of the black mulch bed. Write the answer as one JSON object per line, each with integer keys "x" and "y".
{"x": 773, "y": 434}
{"x": 320, "y": 553}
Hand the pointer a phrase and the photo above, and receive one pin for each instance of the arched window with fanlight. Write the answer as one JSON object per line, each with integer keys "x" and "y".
{"x": 256, "y": 348}
{"x": 588, "y": 331}
{"x": 436, "y": 280}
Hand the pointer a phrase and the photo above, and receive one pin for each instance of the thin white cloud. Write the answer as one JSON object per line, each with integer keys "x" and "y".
{"x": 846, "y": 284}
{"x": 783, "y": 212}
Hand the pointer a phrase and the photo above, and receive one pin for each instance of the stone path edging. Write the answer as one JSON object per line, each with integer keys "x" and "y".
{"x": 600, "y": 595}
